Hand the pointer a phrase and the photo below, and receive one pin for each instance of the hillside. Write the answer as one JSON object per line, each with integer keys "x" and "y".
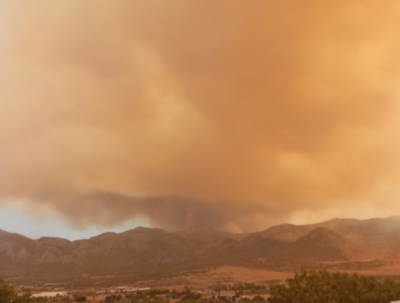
{"x": 323, "y": 244}
{"x": 149, "y": 251}
{"x": 209, "y": 236}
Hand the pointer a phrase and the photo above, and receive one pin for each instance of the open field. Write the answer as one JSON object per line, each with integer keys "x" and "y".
{"x": 223, "y": 274}
{"x": 202, "y": 280}
{"x": 237, "y": 274}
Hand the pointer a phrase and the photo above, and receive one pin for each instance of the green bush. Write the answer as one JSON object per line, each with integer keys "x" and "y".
{"x": 8, "y": 294}
{"x": 325, "y": 287}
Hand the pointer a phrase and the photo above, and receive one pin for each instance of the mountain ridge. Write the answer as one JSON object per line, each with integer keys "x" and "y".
{"x": 152, "y": 250}
{"x": 330, "y": 222}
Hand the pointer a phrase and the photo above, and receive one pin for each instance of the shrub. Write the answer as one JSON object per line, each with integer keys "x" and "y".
{"x": 325, "y": 287}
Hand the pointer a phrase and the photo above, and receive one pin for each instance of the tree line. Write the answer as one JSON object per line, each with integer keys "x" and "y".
{"x": 325, "y": 287}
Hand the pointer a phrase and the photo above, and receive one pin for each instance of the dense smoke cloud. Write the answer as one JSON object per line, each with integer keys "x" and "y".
{"x": 226, "y": 114}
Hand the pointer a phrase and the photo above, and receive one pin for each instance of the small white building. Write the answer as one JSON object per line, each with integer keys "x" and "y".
{"x": 50, "y": 294}
{"x": 101, "y": 292}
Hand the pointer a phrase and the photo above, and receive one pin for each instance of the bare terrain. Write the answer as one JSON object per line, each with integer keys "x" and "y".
{"x": 224, "y": 274}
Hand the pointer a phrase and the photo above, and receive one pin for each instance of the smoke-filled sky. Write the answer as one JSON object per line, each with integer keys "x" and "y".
{"x": 230, "y": 114}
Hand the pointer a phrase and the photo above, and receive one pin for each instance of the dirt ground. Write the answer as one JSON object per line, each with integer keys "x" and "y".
{"x": 224, "y": 274}
{"x": 201, "y": 281}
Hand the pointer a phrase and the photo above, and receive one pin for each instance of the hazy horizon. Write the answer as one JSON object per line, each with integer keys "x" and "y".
{"x": 10, "y": 221}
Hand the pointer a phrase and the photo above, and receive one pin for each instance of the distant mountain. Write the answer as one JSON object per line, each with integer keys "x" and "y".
{"x": 3, "y": 232}
{"x": 209, "y": 236}
{"x": 323, "y": 244}
{"x": 349, "y": 227}
{"x": 150, "y": 251}
{"x": 381, "y": 236}
{"x": 140, "y": 250}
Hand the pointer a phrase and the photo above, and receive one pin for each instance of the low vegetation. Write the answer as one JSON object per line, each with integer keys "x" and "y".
{"x": 8, "y": 294}
{"x": 238, "y": 287}
{"x": 325, "y": 287}
{"x": 241, "y": 289}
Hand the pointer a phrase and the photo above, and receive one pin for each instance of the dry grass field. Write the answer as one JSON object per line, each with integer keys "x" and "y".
{"x": 237, "y": 274}
{"x": 223, "y": 274}
{"x": 202, "y": 280}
